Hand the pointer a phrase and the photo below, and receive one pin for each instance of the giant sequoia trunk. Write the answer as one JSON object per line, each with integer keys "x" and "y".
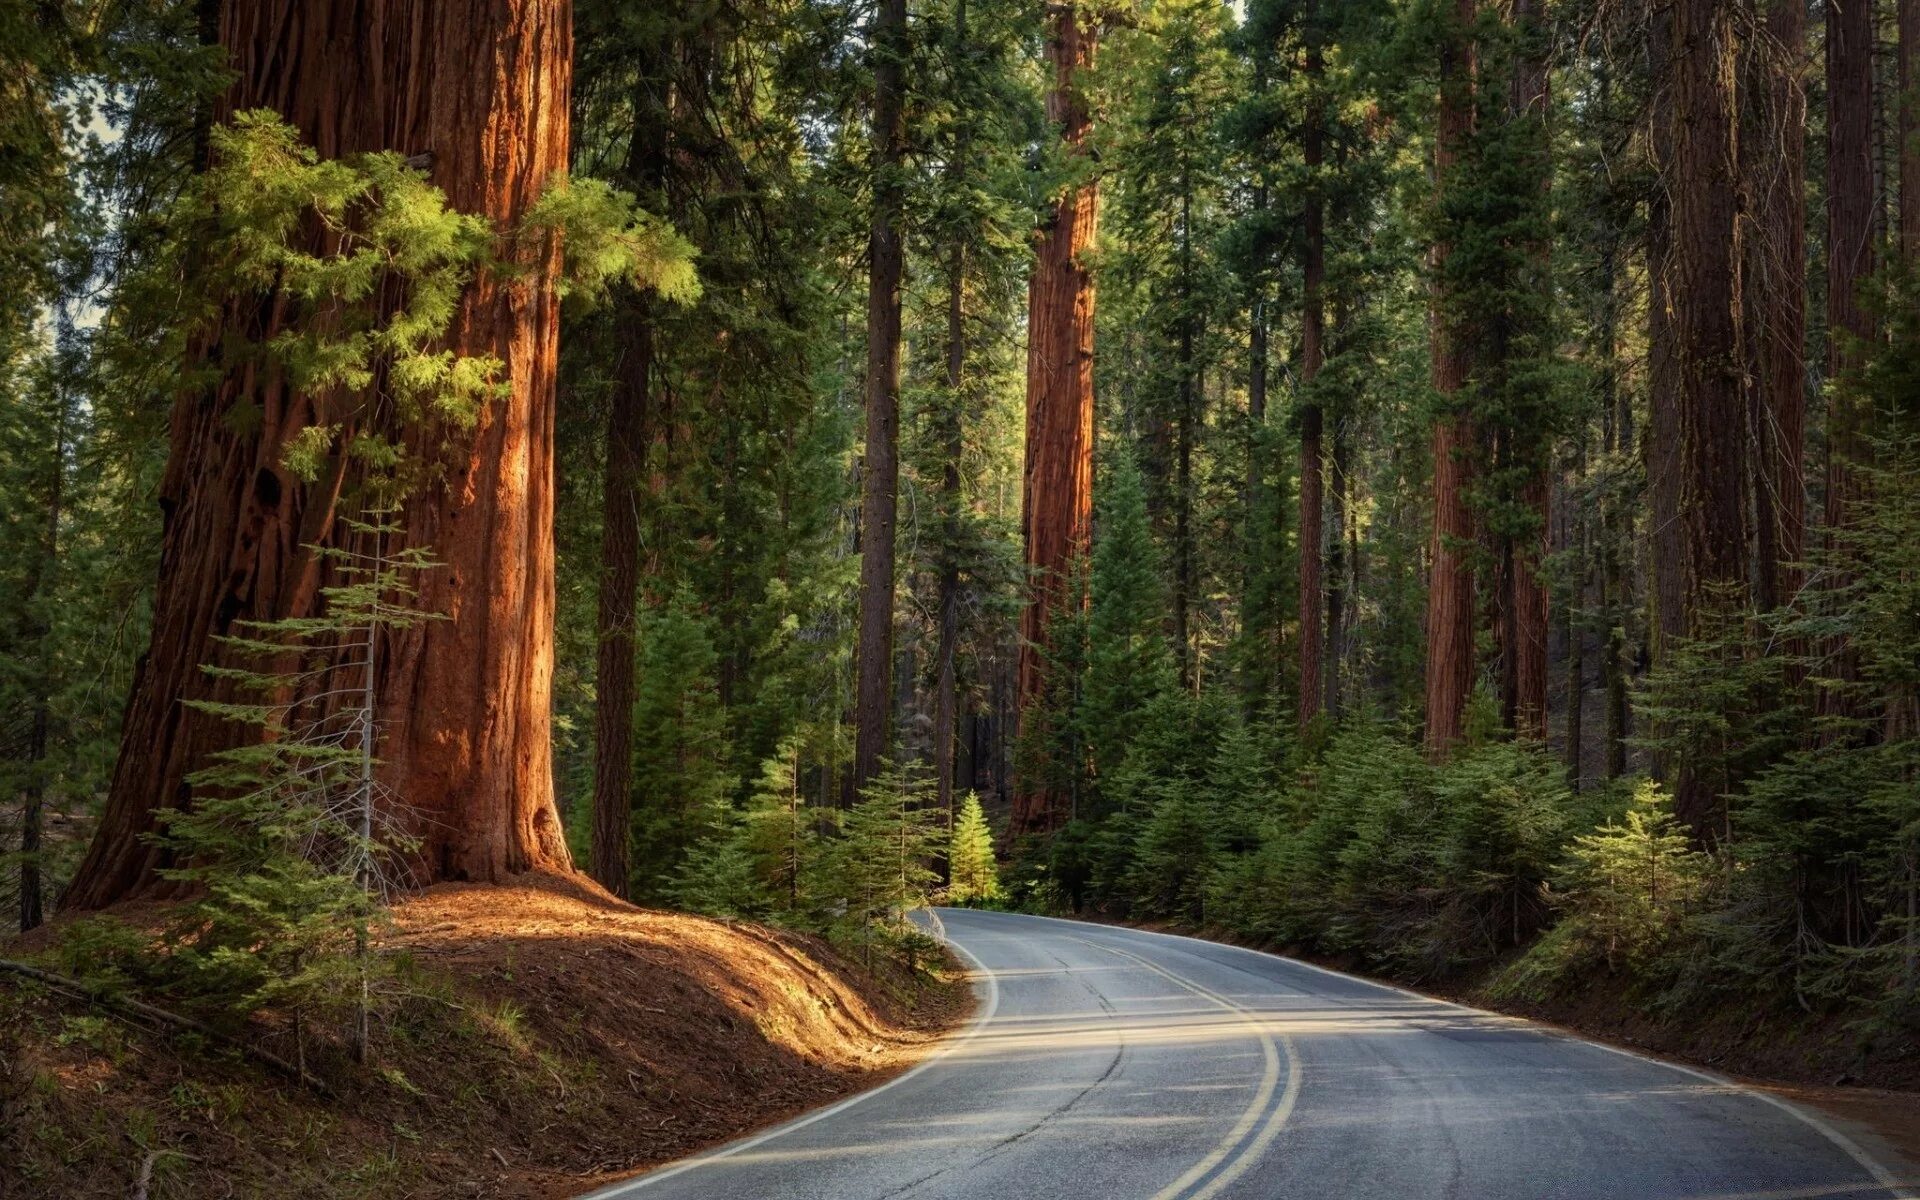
{"x": 880, "y": 467}
{"x": 1706, "y": 262}
{"x": 1057, "y": 494}
{"x": 1668, "y": 557}
{"x": 482, "y": 87}
{"x": 1450, "y": 577}
{"x": 1313, "y": 599}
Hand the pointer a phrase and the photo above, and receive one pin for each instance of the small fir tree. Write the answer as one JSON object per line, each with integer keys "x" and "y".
{"x": 974, "y": 878}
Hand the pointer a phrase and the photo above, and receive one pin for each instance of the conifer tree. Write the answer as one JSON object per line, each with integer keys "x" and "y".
{"x": 973, "y": 876}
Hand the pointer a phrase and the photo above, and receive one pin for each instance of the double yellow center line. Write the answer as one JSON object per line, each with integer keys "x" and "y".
{"x": 1243, "y": 1145}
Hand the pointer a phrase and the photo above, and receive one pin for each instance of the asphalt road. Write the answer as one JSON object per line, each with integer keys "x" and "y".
{"x": 1112, "y": 1064}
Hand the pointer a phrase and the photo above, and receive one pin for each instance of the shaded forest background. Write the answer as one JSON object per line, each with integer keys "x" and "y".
{"x": 1428, "y": 481}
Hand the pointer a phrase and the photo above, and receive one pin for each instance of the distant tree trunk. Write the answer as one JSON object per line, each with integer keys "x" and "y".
{"x": 1668, "y": 618}
{"x": 1525, "y": 605}
{"x": 1615, "y": 523}
{"x": 1185, "y": 428}
{"x": 1576, "y": 654}
{"x": 1908, "y": 125}
{"x": 880, "y": 466}
{"x": 1338, "y": 516}
{"x": 1707, "y": 307}
{"x": 1850, "y": 236}
{"x": 1057, "y": 494}
{"x": 1450, "y": 584}
{"x": 1313, "y": 598}
{"x": 38, "y": 633}
{"x": 628, "y": 436}
{"x": 1778, "y": 300}
{"x": 482, "y": 86}
{"x": 946, "y": 686}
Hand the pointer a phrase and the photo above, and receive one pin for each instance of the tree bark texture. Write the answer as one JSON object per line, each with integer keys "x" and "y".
{"x": 1450, "y": 579}
{"x": 1707, "y": 260}
{"x": 1057, "y": 491}
{"x": 880, "y": 467}
{"x": 1662, "y": 445}
{"x": 481, "y": 86}
{"x": 1776, "y": 167}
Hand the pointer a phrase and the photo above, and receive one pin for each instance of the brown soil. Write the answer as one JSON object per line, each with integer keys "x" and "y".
{"x": 540, "y": 1040}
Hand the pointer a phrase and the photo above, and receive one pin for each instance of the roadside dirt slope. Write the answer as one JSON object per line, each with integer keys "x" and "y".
{"x": 541, "y": 1039}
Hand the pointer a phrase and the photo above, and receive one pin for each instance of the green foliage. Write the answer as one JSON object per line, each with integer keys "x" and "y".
{"x": 973, "y": 877}
{"x": 1630, "y": 884}
{"x": 683, "y": 781}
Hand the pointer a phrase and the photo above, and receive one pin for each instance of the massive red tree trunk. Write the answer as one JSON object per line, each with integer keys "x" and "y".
{"x": 481, "y": 87}
{"x": 1450, "y": 580}
{"x": 1057, "y": 494}
{"x": 1313, "y": 599}
{"x": 1706, "y": 278}
{"x": 880, "y": 466}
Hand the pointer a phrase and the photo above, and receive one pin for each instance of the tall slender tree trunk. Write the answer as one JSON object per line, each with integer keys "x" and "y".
{"x": 1313, "y": 600}
{"x": 39, "y": 633}
{"x": 1057, "y": 491}
{"x": 1908, "y": 125}
{"x": 481, "y": 86}
{"x": 946, "y": 686}
{"x": 1850, "y": 237}
{"x": 1339, "y": 478}
{"x": 1186, "y": 426}
{"x": 1524, "y": 608}
{"x": 1778, "y": 301}
{"x": 880, "y": 467}
{"x": 1707, "y": 261}
{"x": 1450, "y": 582}
{"x": 628, "y": 435}
{"x": 1668, "y": 616}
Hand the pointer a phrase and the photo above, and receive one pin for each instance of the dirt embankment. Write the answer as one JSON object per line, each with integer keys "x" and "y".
{"x": 538, "y": 1040}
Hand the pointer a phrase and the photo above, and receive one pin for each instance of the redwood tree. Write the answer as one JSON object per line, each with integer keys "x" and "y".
{"x": 1057, "y": 495}
{"x": 1450, "y": 580}
{"x": 880, "y": 468}
{"x": 1705, "y": 296}
{"x": 479, "y": 90}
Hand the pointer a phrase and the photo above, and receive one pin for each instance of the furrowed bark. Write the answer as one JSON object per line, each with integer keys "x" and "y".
{"x": 1057, "y": 492}
{"x": 481, "y": 86}
{"x": 1450, "y": 581}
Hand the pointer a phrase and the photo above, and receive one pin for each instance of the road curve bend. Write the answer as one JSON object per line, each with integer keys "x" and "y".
{"x": 1115, "y": 1064}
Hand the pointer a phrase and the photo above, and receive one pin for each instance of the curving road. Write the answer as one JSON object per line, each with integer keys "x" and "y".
{"x": 1113, "y": 1064}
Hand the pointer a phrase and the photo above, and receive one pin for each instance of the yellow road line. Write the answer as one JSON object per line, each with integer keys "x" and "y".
{"x": 1269, "y": 1082}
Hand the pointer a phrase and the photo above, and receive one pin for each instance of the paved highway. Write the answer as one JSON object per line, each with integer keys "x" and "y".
{"x": 1113, "y": 1064}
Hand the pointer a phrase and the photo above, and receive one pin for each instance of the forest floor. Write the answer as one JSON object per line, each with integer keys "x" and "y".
{"x": 537, "y": 1041}
{"x": 1819, "y": 1061}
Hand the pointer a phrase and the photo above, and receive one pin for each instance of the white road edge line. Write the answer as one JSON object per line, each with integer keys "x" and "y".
{"x": 1881, "y": 1175}
{"x": 630, "y": 1186}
